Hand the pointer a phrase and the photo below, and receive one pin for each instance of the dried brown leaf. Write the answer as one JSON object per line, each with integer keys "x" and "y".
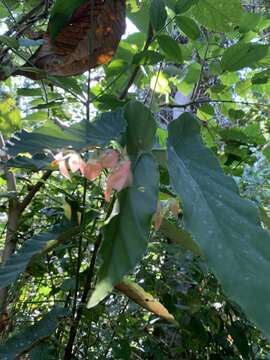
{"x": 89, "y": 39}
{"x": 136, "y": 293}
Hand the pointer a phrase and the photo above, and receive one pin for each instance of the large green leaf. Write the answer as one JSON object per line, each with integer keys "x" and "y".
{"x": 218, "y": 15}
{"x": 241, "y": 55}
{"x": 109, "y": 126}
{"x": 35, "y": 163}
{"x": 158, "y": 14}
{"x": 141, "y": 128}
{"x": 141, "y": 17}
{"x": 126, "y": 236}
{"x": 226, "y": 226}
{"x": 18, "y": 262}
{"x": 171, "y": 48}
{"x": 22, "y": 342}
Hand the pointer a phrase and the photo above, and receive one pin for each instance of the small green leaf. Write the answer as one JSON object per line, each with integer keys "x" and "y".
{"x": 241, "y": 55}
{"x": 188, "y": 26}
{"x": 141, "y": 128}
{"x": 66, "y": 83}
{"x": 250, "y": 21}
{"x": 226, "y": 227}
{"x": 147, "y": 57}
{"x": 116, "y": 67}
{"x": 171, "y": 48}
{"x": 126, "y": 236}
{"x": 261, "y": 77}
{"x": 158, "y": 14}
{"x": 266, "y": 153}
{"x": 218, "y": 15}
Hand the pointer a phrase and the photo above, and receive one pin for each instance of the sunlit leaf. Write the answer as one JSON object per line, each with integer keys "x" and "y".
{"x": 188, "y": 26}
{"x": 218, "y": 15}
{"x": 171, "y": 48}
{"x": 242, "y": 55}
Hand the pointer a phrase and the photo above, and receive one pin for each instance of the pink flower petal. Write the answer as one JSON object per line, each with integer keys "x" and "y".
{"x": 120, "y": 178}
{"x": 158, "y": 217}
{"x": 59, "y": 156}
{"x": 63, "y": 169}
{"x": 82, "y": 166}
{"x": 109, "y": 159}
{"x": 74, "y": 162}
{"x": 174, "y": 207}
{"x": 91, "y": 170}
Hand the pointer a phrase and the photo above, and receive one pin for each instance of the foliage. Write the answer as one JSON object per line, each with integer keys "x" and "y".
{"x": 176, "y": 263}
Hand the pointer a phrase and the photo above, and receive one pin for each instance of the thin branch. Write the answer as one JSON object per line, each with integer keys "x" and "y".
{"x": 79, "y": 255}
{"x": 12, "y": 223}
{"x": 28, "y": 198}
{"x": 150, "y": 38}
{"x": 196, "y": 89}
{"x": 137, "y": 67}
{"x": 203, "y": 101}
{"x": 154, "y": 89}
{"x": 88, "y": 283}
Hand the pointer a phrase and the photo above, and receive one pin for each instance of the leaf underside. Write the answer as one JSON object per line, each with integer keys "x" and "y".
{"x": 226, "y": 226}
{"x": 17, "y": 263}
{"x": 109, "y": 126}
{"x": 126, "y": 236}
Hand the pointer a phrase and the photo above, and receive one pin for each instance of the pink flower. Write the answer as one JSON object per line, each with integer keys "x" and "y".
{"x": 75, "y": 162}
{"x": 109, "y": 159}
{"x": 61, "y": 161}
{"x": 119, "y": 178}
{"x": 91, "y": 170}
{"x": 158, "y": 217}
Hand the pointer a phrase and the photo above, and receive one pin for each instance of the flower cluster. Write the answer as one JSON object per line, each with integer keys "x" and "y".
{"x": 119, "y": 177}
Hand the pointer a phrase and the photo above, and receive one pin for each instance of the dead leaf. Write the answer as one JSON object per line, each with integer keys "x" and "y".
{"x": 89, "y": 39}
{"x": 136, "y": 293}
